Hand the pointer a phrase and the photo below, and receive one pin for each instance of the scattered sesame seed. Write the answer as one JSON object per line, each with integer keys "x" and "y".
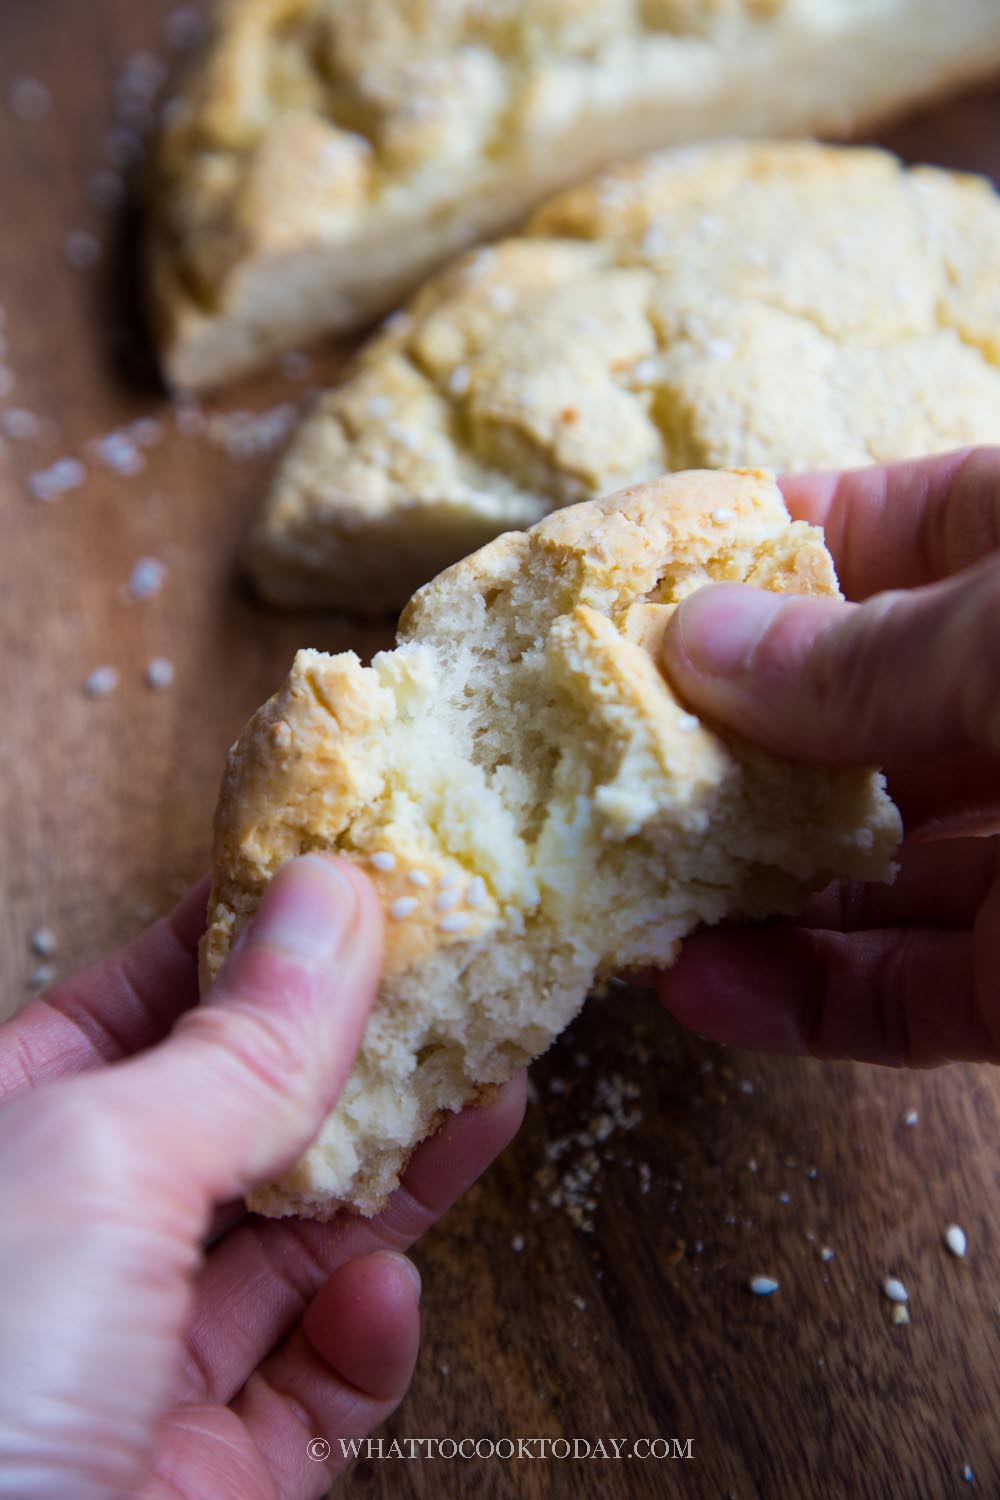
{"x": 646, "y": 371}
{"x": 445, "y": 1369}
{"x": 295, "y": 365}
{"x": 398, "y": 322}
{"x": 763, "y": 1286}
{"x": 184, "y": 27}
{"x": 43, "y": 942}
{"x": 64, "y": 475}
{"x": 476, "y": 893}
{"x": 687, "y": 723}
{"x": 895, "y": 1290}
{"x": 826, "y": 1253}
{"x": 118, "y": 452}
{"x": 82, "y": 249}
{"x": 146, "y": 578}
{"x": 383, "y": 860}
{"x": 955, "y": 1239}
{"x": 20, "y": 425}
{"x": 900, "y": 1315}
{"x": 722, "y": 514}
{"x": 147, "y": 432}
{"x": 418, "y": 877}
{"x": 718, "y": 349}
{"x": 459, "y": 380}
{"x": 43, "y": 976}
{"x": 752, "y": 1164}
{"x": 784, "y": 1198}
{"x": 517, "y": 1243}
{"x": 455, "y": 922}
{"x": 911, "y": 1117}
{"x": 449, "y": 880}
{"x": 447, "y": 900}
{"x": 402, "y": 907}
{"x": 101, "y": 682}
{"x": 160, "y": 674}
{"x": 745, "y": 1086}
{"x": 967, "y": 1474}
{"x": 580, "y": 1304}
{"x": 29, "y": 100}
{"x": 501, "y": 298}
{"x": 105, "y": 189}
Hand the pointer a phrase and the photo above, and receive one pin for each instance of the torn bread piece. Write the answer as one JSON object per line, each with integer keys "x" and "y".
{"x": 795, "y": 306}
{"x": 535, "y": 806}
{"x": 321, "y": 156}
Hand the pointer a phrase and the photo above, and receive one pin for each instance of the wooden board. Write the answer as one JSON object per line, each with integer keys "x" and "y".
{"x": 641, "y": 1326}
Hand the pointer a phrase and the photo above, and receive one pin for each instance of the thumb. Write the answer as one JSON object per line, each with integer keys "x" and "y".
{"x": 242, "y": 1085}
{"x": 905, "y": 674}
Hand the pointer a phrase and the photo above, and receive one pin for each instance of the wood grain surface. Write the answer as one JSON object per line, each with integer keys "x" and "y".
{"x": 714, "y": 1166}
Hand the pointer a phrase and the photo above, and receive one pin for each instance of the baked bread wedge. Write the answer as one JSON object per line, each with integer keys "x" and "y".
{"x": 788, "y": 305}
{"x": 535, "y": 806}
{"x": 321, "y": 156}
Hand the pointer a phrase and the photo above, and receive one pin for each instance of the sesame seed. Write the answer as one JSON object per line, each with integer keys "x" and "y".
{"x": 476, "y": 893}
{"x": 449, "y": 880}
{"x": 895, "y": 1290}
{"x": 954, "y": 1238}
{"x": 646, "y": 371}
{"x": 900, "y": 1315}
{"x": 686, "y": 723}
{"x": 501, "y": 298}
{"x": 459, "y": 380}
{"x": 146, "y": 578}
{"x": 160, "y": 674}
{"x": 784, "y": 1198}
{"x": 402, "y": 907}
{"x": 82, "y": 249}
{"x": 29, "y": 100}
{"x": 20, "y": 425}
{"x": 64, "y": 475}
{"x": 826, "y": 1253}
{"x": 43, "y": 976}
{"x": 282, "y": 734}
{"x": 721, "y": 515}
{"x": 911, "y": 1117}
{"x": 967, "y": 1474}
{"x": 763, "y": 1286}
{"x": 417, "y": 877}
{"x": 146, "y": 431}
{"x": 295, "y": 365}
{"x": 383, "y": 860}
{"x": 398, "y": 322}
{"x": 105, "y": 189}
{"x": 119, "y": 452}
{"x": 455, "y": 922}
{"x": 101, "y": 682}
{"x": 43, "y": 942}
{"x": 447, "y": 900}
{"x": 718, "y": 349}
{"x": 517, "y": 1243}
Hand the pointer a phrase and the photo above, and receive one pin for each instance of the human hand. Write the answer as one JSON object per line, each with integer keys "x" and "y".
{"x": 908, "y": 679}
{"x": 148, "y": 1349}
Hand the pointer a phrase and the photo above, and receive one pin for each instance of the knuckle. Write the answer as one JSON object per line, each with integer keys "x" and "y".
{"x": 251, "y": 1048}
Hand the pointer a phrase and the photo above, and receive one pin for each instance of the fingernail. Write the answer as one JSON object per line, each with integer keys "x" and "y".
{"x": 309, "y": 910}
{"x": 402, "y": 1260}
{"x": 721, "y": 625}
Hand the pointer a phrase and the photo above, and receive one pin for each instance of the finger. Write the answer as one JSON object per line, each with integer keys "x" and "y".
{"x": 244, "y": 1082}
{"x": 259, "y": 1281}
{"x": 338, "y": 1375}
{"x": 904, "y": 996}
{"x": 947, "y": 795}
{"x": 905, "y": 525}
{"x": 124, "y": 1003}
{"x": 903, "y": 675}
{"x": 938, "y": 885}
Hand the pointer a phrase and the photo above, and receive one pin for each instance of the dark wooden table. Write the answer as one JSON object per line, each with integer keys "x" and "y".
{"x": 583, "y": 1289}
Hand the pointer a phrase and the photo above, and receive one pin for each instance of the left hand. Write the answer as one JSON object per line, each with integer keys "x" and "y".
{"x": 156, "y": 1341}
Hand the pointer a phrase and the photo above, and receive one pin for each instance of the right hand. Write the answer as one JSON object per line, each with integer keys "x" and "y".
{"x": 907, "y": 678}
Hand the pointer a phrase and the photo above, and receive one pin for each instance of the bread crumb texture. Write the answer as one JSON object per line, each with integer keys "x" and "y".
{"x": 533, "y": 803}
{"x": 788, "y": 305}
{"x": 320, "y": 156}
